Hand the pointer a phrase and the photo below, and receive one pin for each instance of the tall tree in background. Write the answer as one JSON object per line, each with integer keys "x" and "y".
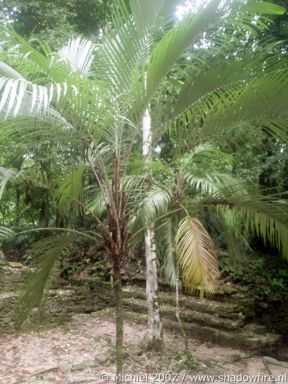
{"x": 56, "y": 20}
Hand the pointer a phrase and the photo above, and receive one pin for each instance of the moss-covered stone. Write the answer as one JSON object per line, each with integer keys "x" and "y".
{"x": 262, "y": 343}
{"x": 221, "y": 320}
{"x": 187, "y": 315}
{"x": 225, "y": 310}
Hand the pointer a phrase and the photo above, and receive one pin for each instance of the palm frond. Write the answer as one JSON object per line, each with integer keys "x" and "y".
{"x": 20, "y": 97}
{"x": 5, "y": 233}
{"x": 42, "y": 128}
{"x": 48, "y": 253}
{"x": 268, "y": 220}
{"x": 262, "y": 99}
{"x": 186, "y": 33}
{"x": 6, "y": 175}
{"x": 170, "y": 260}
{"x": 266, "y": 216}
{"x": 207, "y": 169}
{"x": 79, "y": 54}
{"x": 156, "y": 202}
{"x": 95, "y": 201}
{"x": 146, "y": 14}
{"x": 54, "y": 70}
{"x": 218, "y": 71}
{"x": 234, "y": 234}
{"x": 70, "y": 191}
{"x": 168, "y": 50}
{"x": 7, "y": 71}
{"x": 197, "y": 256}
{"x": 264, "y": 7}
{"x": 215, "y": 182}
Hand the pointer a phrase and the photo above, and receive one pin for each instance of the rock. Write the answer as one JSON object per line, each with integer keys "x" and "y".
{"x": 234, "y": 358}
{"x": 263, "y": 305}
{"x": 271, "y": 361}
{"x": 81, "y": 316}
{"x": 229, "y": 290}
{"x": 278, "y": 369}
{"x": 282, "y": 354}
{"x": 84, "y": 365}
{"x": 187, "y": 315}
{"x": 105, "y": 358}
{"x": 255, "y": 328}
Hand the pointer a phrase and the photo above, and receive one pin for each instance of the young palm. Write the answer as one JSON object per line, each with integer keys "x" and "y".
{"x": 189, "y": 189}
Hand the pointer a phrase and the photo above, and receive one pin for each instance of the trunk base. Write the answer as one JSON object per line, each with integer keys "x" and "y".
{"x": 156, "y": 345}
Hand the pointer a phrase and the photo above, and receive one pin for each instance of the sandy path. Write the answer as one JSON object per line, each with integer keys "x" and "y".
{"x": 82, "y": 351}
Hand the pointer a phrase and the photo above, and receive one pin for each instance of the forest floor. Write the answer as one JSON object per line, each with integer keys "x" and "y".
{"x": 82, "y": 352}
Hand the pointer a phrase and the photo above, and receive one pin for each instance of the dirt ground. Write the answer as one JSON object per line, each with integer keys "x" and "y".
{"x": 82, "y": 352}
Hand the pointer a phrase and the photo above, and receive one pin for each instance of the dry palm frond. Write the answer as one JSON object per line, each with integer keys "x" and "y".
{"x": 197, "y": 256}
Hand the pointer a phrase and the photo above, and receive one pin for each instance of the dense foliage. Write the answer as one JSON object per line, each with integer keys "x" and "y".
{"x": 57, "y": 20}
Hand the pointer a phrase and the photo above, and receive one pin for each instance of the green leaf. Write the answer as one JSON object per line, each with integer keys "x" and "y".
{"x": 49, "y": 251}
{"x": 6, "y": 175}
{"x": 265, "y": 7}
{"x": 6, "y": 233}
{"x": 156, "y": 202}
{"x": 71, "y": 191}
{"x": 7, "y": 71}
{"x": 79, "y": 54}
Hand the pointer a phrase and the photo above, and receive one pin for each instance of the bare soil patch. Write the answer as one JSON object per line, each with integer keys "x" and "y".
{"x": 82, "y": 351}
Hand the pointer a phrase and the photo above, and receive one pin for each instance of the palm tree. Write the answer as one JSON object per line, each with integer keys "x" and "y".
{"x": 97, "y": 99}
{"x": 191, "y": 187}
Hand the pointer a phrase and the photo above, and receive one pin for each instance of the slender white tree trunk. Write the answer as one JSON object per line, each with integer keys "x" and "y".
{"x": 154, "y": 334}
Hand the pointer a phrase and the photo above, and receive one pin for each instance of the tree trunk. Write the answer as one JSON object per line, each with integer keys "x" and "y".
{"x": 154, "y": 334}
{"x": 178, "y": 316}
{"x": 44, "y": 212}
{"x": 17, "y": 214}
{"x": 117, "y": 285}
{"x": 177, "y": 192}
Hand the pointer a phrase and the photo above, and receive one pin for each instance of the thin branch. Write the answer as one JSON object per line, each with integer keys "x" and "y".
{"x": 155, "y": 220}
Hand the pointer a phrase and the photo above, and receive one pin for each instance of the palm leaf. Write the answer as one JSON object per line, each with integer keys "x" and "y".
{"x": 190, "y": 30}
{"x": 5, "y": 233}
{"x": 55, "y": 70}
{"x": 215, "y": 182}
{"x": 265, "y": 216}
{"x": 70, "y": 191}
{"x": 268, "y": 220}
{"x": 79, "y": 54}
{"x": 19, "y": 97}
{"x": 7, "y": 71}
{"x": 169, "y": 49}
{"x": 220, "y": 70}
{"x": 6, "y": 175}
{"x": 236, "y": 242}
{"x": 197, "y": 256}
{"x": 264, "y": 7}
{"x": 96, "y": 204}
{"x": 167, "y": 244}
{"x": 156, "y": 202}
{"x": 262, "y": 99}
{"x": 48, "y": 252}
